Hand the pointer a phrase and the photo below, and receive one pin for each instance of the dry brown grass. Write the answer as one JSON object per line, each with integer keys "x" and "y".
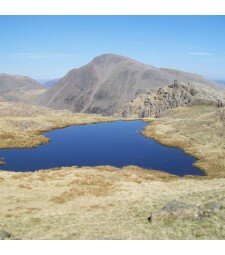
{"x": 104, "y": 203}
{"x": 96, "y": 185}
{"x": 22, "y": 125}
{"x": 24, "y": 186}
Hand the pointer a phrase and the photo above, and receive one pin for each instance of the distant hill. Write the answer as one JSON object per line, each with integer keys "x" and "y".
{"x": 19, "y": 88}
{"x": 108, "y": 82}
{"x": 221, "y": 82}
{"x": 50, "y": 83}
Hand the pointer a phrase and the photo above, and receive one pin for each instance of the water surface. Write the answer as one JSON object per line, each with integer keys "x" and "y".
{"x": 118, "y": 143}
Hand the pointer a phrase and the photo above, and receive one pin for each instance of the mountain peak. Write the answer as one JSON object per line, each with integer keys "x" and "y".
{"x": 109, "y": 57}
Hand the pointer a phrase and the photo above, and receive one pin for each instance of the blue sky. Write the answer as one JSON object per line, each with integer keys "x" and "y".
{"x": 46, "y": 47}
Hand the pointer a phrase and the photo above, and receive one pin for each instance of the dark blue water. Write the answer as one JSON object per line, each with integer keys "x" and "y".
{"x": 118, "y": 143}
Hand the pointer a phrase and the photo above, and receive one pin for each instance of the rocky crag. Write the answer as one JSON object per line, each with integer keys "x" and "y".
{"x": 155, "y": 102}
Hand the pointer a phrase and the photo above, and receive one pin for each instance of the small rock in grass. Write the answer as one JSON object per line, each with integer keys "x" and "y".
{"x": 177, "y": 210}
{"x": 4, "y": 235}
{"x": 212, "y": 207}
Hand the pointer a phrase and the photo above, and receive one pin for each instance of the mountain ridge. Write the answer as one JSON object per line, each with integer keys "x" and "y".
{"x": 108, "y": 82}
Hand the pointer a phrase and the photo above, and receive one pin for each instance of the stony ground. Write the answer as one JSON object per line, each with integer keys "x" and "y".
{"x": 106, "y": 202}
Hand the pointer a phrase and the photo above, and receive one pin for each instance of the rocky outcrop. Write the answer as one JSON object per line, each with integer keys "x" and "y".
{"x": 177, "y": 210}
{"x": 155, "y": 102}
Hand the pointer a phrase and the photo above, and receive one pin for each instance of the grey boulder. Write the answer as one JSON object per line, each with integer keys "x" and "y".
{"x": 177, "y": 210}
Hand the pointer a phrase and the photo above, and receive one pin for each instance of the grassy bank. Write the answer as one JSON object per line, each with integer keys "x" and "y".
{"x": 22, "y": 125}
{"x": 199, "y": 131}
{"x": 104, "y": 203}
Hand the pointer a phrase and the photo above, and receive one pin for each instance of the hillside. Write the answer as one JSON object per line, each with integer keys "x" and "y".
{"x": 19, "y": 88}
{"x": 107, "y": 83}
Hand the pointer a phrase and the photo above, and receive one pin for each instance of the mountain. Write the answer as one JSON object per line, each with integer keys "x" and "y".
{"x": 50, "y": 83}
{"x": 155, "y": 102}
{"x": 19, "y": 88}
{"x": 107, "y": 83}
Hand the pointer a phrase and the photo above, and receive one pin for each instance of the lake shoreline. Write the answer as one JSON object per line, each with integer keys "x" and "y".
{"x": 149, "y": 131}
{"x": 128, "y": 137}
{"x": 173, "y": 133}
